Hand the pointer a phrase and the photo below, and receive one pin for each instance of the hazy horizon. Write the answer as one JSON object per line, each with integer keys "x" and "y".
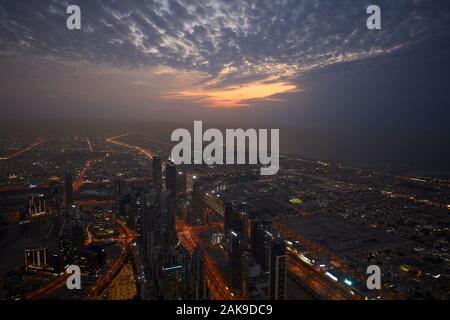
{"x": 338, "y": 90}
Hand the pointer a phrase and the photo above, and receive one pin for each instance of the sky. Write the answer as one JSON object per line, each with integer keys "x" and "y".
{"x": 303, "y": 64}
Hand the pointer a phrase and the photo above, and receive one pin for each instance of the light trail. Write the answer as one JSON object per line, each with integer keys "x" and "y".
{"x": 18, "y": 153}
{"x": 89, "y": 144}
{"x": 148, "y": 153}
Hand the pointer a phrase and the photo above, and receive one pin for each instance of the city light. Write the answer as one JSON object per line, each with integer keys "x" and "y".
{"x": 312, "y": 187}
{"x": 331, "y": 276}
{"x": 348, "y": 282}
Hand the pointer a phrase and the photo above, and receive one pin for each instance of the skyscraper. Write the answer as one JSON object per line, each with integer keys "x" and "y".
{"x": 168, "y": 221}
{"x": 36, "y": 258}
{"x": 181, "y": 182}
{"x": 235, "y": 261}
{"x": 118, "y": 189}
{"x": 147, "y": 230}
{"x": 277, "y": 277}
{"x": 171, "y": 180}
{"x": 198, "y": 202}
{"x": 37, "y": 204}
{"x": 227, "y": 217}
{"x": 132, "y": 211}
{"x": 260, "y": 241}
{"x": 68, "y": 190}
{"x": 243, "y": 215}
{"x": 171, "y": 282}
{"x": 157, "y": 178}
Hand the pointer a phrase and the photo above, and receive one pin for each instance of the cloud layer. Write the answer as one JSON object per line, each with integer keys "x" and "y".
{"x": 231, "y": 41}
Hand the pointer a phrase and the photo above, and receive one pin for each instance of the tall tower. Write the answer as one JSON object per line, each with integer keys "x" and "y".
{"x": 157, "y": 178}
{"x": 235, "y": 261}
{"x": 277, "y": 277}
{"x": 117, "y": 195}
{"x": 227, "y": 217}
{"x": 198, "y": 202}
{"x": 243, "y": 217}
{"x": 181, "y": 182}
{"x": 168, "y": 231}
{"x": 171, "y": 180}
{"x": 260, "y": 242}
{"x": 68, "y": 190}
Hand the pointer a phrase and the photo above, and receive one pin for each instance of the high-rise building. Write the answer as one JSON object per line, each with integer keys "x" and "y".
{"x": 237, "y": 220}
{"x": 171, "y": 180}
{"x": 235, "y": 261}
{"x": 168, "y": 221}
{"x": 78, "y": 236}
{"x": 118, "y": 190}
{"x": 148, "y": 231}
{"x": 260, "y": 242}
{"x": 228, "y": 213}
{"x": 199, "y": 287}
{"x": 157, "y": 178}
{"x": 171, "y": 282}
{"x": 132, "y": 211}
{"x": 37, "y": 204}
{"x": 56, "y": 263}
{"x": 277, "y": 275}
{"x": 68, "y": 187}
{"x": 181, "y": 182}
{"x": 198, "y": 203}
{"x": 243, "y": 215}
{"x": 36, "y": 259}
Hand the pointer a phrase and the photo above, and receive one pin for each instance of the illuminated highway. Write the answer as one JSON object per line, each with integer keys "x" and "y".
{"x": 79, "y": 182}
{"x": 146, "y": 152}
{"x": 88, "y": 141}
{"x": 18, "y": 153}
{"x": 126, "y": 239}
{"x": 316, "y": 281}
{"x": 48, "y": 288}
{"x": 189, "y": 237}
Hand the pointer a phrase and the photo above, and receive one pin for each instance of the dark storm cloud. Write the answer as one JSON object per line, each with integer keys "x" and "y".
{"x": 252, "y": 39}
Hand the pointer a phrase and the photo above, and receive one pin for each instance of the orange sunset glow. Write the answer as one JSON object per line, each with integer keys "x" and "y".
{"x": 236, "y": 96}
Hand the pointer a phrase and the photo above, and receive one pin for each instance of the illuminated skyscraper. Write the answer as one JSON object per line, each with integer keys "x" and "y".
{"x": 277, "y": 277}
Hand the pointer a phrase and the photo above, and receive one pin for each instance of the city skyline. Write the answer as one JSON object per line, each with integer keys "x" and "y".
{"x": 224, "y": 150}
{"x": 339, "y": 90}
